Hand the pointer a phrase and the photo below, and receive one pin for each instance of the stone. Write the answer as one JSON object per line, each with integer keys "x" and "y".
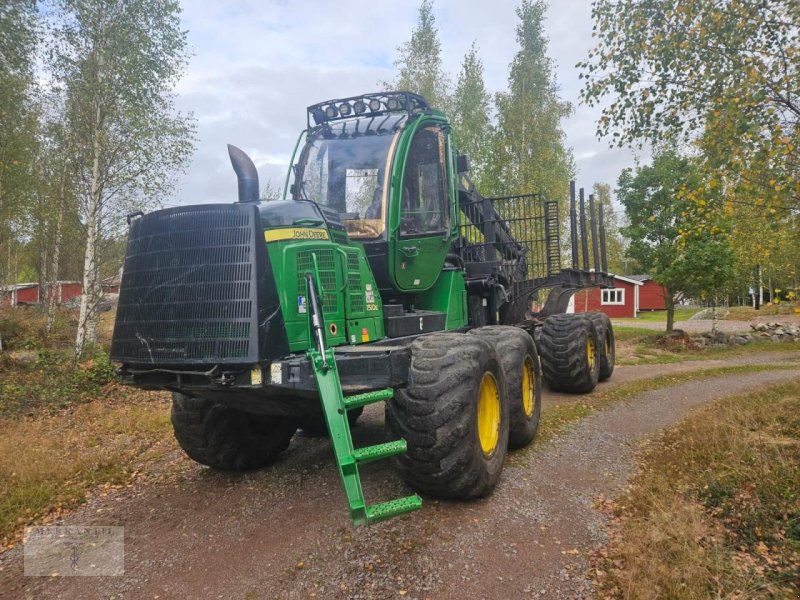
{"x": 739, "y": 340}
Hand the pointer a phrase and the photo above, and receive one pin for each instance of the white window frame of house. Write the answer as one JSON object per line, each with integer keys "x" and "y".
{"x": 605, "y": 297}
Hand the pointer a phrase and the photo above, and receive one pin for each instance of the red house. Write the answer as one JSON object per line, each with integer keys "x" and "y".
{"x": 651, "y": 294}
{"x": 621, "y": 301}
{"x": 29, "y": 293}
{"x": 19, "y": 293}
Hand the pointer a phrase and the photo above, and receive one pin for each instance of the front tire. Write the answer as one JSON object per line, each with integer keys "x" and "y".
{"x": 523, "y": 375}
{"x": 569, "y": 353}
{"x": 227, "y": 439}
{"x": 454, "y": 416}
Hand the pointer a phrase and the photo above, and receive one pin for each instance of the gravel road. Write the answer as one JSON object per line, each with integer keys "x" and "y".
{"x": 284, "y": 533}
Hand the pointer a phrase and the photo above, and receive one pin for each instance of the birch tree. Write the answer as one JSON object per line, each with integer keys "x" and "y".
{"x": 18, "y": 128}
{"x": 471, "y": 114}
{"x": 118, "y": 62}
{"x": 530, "y": 152}
{"x": 420, "y": 62}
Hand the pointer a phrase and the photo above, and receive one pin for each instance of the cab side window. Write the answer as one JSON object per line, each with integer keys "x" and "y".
{"x": 424, "y": 196}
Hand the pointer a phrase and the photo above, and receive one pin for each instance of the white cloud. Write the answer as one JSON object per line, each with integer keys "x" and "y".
{"x": 258, "y": 64}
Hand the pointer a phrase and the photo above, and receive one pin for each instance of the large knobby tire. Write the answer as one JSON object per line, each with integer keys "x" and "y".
{"x": 606, "y": 352}
{"x": 523, "y": 375}
{"x": 225, "y": 438}
{"x": 453, "y": 415}
{"x": 568, "y": 352}
{"x": 315, "y": 426}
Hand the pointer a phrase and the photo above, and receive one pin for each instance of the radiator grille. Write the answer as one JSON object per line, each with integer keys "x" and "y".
{"x": 189, "y": 287}
{"x": 327, "y": 273}
{"x": 356, "y": 291}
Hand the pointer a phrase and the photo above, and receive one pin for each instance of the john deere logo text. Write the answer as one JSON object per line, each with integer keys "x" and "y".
{"x": 295, "y": 233}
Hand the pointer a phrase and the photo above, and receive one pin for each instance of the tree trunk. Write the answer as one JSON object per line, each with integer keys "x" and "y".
{"x": 87, "y": 319}
{"x": 714, "y": 316}
{"x": 670, "y": 300}
{"x": 52, "y": 300}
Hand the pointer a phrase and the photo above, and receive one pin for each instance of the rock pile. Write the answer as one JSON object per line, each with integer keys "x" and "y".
{"x": 777, "y": 332}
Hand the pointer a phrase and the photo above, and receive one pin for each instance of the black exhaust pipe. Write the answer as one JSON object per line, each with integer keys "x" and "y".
{"x": 246, "y": 174}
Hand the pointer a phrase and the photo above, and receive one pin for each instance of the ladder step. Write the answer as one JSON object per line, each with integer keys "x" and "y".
{"x": 351, "y": 402}
{"x": 393, "y": 508}
{"x": 373, "y": 453}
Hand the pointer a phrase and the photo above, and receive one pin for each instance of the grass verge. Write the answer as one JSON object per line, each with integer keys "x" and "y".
{"x": 650, "y": 349}
{"x": 48, "y": 463}
{"x": 715, "y": 508}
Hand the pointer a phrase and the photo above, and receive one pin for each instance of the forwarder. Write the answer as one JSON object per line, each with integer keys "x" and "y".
{"x": 383, "y": 275}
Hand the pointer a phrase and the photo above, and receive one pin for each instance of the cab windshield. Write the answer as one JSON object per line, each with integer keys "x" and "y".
{"x": 346, "y": 167}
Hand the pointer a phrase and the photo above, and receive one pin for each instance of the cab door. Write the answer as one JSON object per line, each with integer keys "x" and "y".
{"x": 421, "y": 236}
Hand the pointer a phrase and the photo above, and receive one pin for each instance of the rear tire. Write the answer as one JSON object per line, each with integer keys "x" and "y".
{"x": 606, "y": 352}
{"x": 453, "y": 451}
{"x": 227, "y": 439}
{"x": 568, "y": 353}
{"x": 523, "y": 375}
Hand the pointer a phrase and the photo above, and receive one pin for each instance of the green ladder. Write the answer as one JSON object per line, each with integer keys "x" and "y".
{"x": 335, "y": 406}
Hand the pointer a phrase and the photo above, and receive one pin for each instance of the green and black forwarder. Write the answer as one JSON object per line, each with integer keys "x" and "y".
{"x": 382, "y": 276}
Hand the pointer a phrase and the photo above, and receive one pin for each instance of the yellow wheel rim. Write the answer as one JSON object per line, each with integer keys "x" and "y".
{"x": 591, "y": 352}
{"x": 488, "y": 414}
{"x": 528, "y": 389}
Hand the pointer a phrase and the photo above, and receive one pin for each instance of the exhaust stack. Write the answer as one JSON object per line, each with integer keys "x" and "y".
{"x": 246, "y": 174}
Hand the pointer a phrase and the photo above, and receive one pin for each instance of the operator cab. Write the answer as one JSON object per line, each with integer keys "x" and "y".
{"x": 346, "y": 167}
{"x": 381, "y": 162}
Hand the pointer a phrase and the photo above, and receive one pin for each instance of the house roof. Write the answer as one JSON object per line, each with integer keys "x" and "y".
{"x": 18, "y": 286}
{"x": 628, "y": 279}
{"x": 641, "y": 278}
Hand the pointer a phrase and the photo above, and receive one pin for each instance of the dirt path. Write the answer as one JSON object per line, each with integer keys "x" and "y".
{"x": 283, "y": 532}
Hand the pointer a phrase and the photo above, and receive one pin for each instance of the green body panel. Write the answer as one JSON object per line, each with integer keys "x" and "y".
{"x": 416, "y": 262}
{"x": 448, "y": 295}
{"x": 351, "y": 303}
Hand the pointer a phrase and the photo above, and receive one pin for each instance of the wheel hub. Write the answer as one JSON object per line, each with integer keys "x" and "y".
{"x": 528, "y": 390}
{"x": 488, "y": 414}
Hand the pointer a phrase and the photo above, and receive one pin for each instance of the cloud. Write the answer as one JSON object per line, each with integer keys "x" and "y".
{"x": 257, "y": 65}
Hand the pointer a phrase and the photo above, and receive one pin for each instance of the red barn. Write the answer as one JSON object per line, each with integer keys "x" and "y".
{"x": 621, "y": 301}
{"x": 651, "y": 294}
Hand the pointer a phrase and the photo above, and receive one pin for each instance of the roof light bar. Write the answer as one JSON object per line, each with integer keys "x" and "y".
{"x": 369, "y": 105}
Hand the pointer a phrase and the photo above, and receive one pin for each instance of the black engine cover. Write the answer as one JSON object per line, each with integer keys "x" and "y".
{"x": 197, "y": 288}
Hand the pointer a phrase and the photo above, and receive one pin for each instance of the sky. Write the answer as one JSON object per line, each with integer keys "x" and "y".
{"x": 257, "y": 65}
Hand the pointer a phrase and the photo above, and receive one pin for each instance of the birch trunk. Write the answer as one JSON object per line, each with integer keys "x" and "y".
{"x": 52, "y": 301}
{"x": 87, "y": 319}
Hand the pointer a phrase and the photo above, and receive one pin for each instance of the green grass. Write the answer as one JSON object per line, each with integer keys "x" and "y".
{"x": 660, "y": 316}
{"x": 714, "y": 511}
{"x": 625, "y": 333}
